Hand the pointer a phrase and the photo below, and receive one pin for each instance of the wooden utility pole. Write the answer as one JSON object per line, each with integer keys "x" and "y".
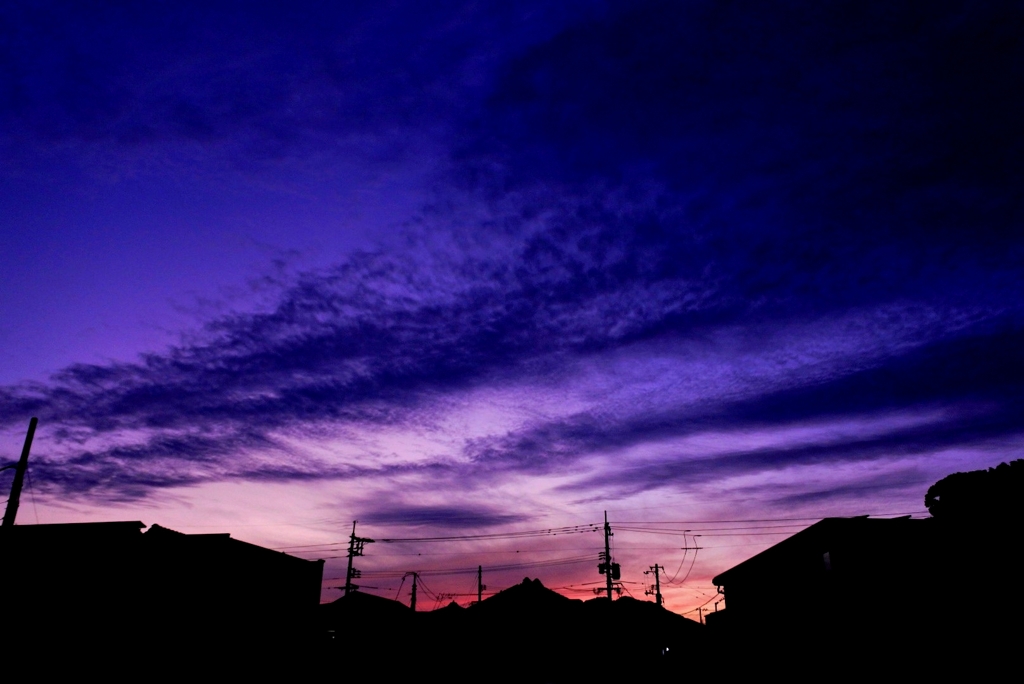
{"x": 412, "y": 601}
{"x": 19, "y": 476}
{"x": 657, "y": 585}
{"x": 606, "y": 567}
{"x": 608, "y": 555}
{"x": 355, "y": 548}
{"x": 480, "y": 583}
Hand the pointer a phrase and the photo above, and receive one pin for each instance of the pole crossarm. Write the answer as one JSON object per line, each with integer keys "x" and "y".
{"x": 355, "y": 548}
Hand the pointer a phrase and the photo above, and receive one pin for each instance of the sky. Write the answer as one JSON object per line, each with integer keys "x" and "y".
{"x": 469, "y": 269}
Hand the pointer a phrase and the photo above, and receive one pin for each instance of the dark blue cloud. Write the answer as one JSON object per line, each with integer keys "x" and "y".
{"x": 974, "y": 379}
{"x": 459, "y": 517}
{"x": 372, "y": 342}
{"x": 822, "y": 156}
{"x": 868, "y": 488}
{"x": 646, "y": 172}
{"x": 685, "y": 471}
{"x": 257, "y": 81}
{"x": 340, "y": 349}
{"x": 980, "y": 368}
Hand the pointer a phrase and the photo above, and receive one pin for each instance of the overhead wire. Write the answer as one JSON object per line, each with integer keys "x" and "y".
{"x": 701, "y": 605}
{"x": 544, "y": 532}
{"x": 495, "y": 568}
{"x": 495, "y": 536}
{"x": 753, "y": 520}
{"x": 737, "y": 527}
{"x": 686, "y": 551}
{"x": 427, "y": 590}
{"x": 692, "y": 562}
{"x": 660, "y": 530}
{"x": 399, "y": 592}
{"x": 625, "y": 526}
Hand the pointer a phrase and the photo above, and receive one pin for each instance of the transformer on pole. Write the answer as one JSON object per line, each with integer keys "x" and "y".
{"x": 355, "y": 548}
{"x": 607, "y": 568}
{"x": 657, "y": 584}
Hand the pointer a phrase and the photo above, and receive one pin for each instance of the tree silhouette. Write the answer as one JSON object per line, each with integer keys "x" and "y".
{"x": 978, "y": 494}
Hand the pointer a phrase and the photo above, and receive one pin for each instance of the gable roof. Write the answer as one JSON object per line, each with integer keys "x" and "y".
{"x": 860, "y": 539}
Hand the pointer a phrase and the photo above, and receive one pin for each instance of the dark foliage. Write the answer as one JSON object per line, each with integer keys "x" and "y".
{"x": 979, "y": 494}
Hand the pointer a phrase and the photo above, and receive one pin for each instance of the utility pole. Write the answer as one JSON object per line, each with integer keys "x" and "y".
{"x": 355, "y": 548}
{"x": 657, "y": 585}
{"x": 19, "y": 476}
{"x": 480, "y": 583}
{"x": 412, "y": 601}
{"x": 606, "y": 567}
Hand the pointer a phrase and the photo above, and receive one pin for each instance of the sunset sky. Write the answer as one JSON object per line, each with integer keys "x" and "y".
{"x": 476, "y": 268}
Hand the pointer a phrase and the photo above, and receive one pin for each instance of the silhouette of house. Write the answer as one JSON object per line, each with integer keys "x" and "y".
{"x": 90, "y": 583}
{"x": 230, "y": 589}
{"x": 836, "y": 577}
{"x": 903, "y": 596}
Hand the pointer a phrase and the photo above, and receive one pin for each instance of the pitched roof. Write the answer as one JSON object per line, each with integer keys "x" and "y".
{"x": 861, "y": 536}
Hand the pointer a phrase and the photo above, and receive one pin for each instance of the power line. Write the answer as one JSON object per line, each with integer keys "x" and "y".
{"x": 641, "y": 526}
{"x": 659, "y": 530}
{"x": 701, "y": 605}
{"x": 509, "y": 566}
{"x": 686, "y": 552}
{"x": 747, "y": 534}
{"x": 546, "y": 532}
{"x": 495, "y": 536}
{"x": 755, "y": 520}
{"x": 695, "y": 550}
{"x": 399, "y": 592}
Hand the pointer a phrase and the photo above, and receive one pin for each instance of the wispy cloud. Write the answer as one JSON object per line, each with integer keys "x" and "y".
{"x": 681, "y": 218}
{"x": 440, "y": 516}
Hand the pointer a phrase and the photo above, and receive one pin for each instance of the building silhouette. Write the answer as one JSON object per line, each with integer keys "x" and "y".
{"x": 85, "y": 586}
{"x": 917, "y": 597}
